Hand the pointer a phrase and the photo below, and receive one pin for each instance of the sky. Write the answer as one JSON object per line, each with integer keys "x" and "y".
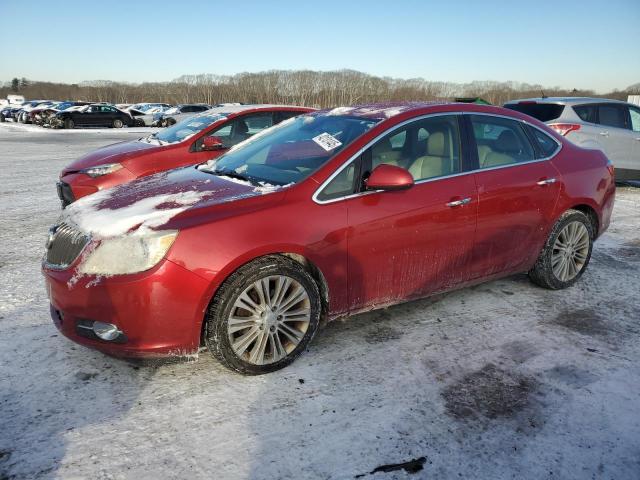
{"x": 572, "y": 44}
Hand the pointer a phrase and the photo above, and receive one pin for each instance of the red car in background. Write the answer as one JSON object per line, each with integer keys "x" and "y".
{"x": 325, "y": 215}
{"x": 195, "y": 140}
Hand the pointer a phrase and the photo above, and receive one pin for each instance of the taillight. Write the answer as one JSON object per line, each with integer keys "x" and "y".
{"x": 564, "y": 128}
{"x": 611, "y": 168}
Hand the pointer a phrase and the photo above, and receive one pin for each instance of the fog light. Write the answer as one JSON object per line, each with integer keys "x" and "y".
{"x": 106, "y": 331}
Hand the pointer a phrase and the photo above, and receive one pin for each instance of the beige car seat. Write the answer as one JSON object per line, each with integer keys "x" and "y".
{"x": 507, "y": 143}
{"x": 383, "y": 152}
{"x": 437, "y": 161}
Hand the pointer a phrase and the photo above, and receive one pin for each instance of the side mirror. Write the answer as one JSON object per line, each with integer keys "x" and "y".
{"x": 389, "y": 177}
{"x": 212, "y": 143}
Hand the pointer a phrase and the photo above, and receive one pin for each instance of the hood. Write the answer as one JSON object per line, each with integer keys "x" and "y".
{"x": 156, "y": 201}
{"x": 114, "y": 153}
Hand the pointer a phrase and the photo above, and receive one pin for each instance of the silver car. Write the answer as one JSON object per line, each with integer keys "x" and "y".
{"x": 609, "y": 125}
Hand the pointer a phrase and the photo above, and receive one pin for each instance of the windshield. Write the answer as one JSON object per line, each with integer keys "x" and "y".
{"x": 290, "y": 151}
{"x": 186, "y": 128}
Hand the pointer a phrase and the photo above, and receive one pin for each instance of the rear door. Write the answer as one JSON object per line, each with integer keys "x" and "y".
{"x": 634, "y": 119}
{"x": 517, "y": 192}
{"x": 616, "y": 135}
{"x": 406, "y": 244}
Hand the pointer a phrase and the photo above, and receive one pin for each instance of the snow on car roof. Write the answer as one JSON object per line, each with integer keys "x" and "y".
{"x": 564, "y": 100}
{"x": 380, "y": 110}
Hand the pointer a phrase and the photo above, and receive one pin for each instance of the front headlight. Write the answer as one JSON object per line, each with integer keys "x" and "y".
{"x": 129, "y": 254}
{"x": 101, "y": 170}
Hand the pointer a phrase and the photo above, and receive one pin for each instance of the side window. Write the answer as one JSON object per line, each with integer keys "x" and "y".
{"x": 500, "y": 141}
{"x": 546, "y": 144}
{"x": 224, "y": 134}
{"x": 342, "y": 185}
{"x": 612, "y": 116}
{"x": 256, "y": 123}
{"x": 587, "y": 113}
{"x": 284, "y": 115}
{"x": 428, "y": 148}
{"x": 634, "y": 112}
{"x": 436, "y": 151}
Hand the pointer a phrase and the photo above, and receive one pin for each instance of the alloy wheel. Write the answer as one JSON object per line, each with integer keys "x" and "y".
{"x": 570, "y": 251}
{"x": 269, "y": 319}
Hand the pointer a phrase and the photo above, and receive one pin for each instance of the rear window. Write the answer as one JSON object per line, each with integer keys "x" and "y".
{"x": 587, "y": 113}
{"x": 546, "y": 144}
{"x": 544, "y": 112}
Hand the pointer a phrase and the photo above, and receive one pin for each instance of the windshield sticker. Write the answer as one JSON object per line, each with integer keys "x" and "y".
{"x": 327, "y": 141}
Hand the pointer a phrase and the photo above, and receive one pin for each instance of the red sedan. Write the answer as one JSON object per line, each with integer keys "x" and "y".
{"x": 195, "y": 140}
{"x": 326, "y": 215}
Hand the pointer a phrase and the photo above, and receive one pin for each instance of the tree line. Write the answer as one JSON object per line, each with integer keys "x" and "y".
{"x": 298, "y": 87}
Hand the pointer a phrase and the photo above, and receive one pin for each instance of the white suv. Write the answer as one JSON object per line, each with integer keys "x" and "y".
{"x": 609, "y": 125}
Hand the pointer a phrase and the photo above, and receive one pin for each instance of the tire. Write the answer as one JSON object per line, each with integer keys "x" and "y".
{"x": 117, "y": 123}
{"x": 267, "y": 329}
{"x": 572, "y": 234}
{"x": 68, "y": 123}
{"x": 2, "y": 119}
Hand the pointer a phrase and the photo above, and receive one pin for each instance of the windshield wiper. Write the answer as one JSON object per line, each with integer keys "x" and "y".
{"x": 225, "y": 172}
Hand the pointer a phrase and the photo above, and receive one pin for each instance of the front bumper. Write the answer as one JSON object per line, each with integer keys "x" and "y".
{"x": 78, "y": 185}
{"x": 159, "y": 312}
{"x": 65, "y": 194}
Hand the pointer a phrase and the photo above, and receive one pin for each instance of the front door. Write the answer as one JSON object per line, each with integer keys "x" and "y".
{"x": 407, "y": 244}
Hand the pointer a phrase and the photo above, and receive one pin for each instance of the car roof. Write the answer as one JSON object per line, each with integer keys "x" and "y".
{"x": 387, "y": 110}
{"x": 565, "y": 100}
{"x": 228, "y": 109}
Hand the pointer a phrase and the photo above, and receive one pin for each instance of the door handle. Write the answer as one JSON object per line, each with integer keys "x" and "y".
{"x": 458, "y": 203}
{"x": 604, "y": 133}
{"x": 546, "y": 181}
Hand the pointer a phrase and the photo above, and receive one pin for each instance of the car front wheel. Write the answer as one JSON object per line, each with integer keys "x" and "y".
{"x": 68, "y": 123}
{"x": 566, "y": 253}
{"x": 117, "y": 123}
{"x": 263, "y": 316}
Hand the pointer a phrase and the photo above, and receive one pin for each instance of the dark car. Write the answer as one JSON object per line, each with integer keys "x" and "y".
{"x": 95, "y": 115}
{"x": 7, "y": 112}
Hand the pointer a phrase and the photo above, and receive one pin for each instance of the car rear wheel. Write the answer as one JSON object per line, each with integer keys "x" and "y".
{"x": 68, "y": 123}
{"x": 566, "y": 253}
{"x": 117, "y": 123}
{"x": 263, "y": 316}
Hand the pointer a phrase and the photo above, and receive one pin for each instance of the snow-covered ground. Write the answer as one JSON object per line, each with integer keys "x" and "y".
{"x": 503, "y": 380}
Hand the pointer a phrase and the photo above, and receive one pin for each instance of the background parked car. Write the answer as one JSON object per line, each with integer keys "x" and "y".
{"x": 144, "y": 114}
{"x": 42, "y": 115}
{"x": 94, "y": 115}
{"x": 22, "y": 116}
{"x": 178, "y": 113}
{"x": 195, "y": 140}
{"x": 609, "y": 125}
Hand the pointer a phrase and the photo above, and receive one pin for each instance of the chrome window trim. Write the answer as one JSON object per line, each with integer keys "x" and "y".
{"x": 356, "y": 155}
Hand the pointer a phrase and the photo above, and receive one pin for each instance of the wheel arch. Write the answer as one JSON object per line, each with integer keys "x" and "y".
{"x": 298, "y": 257}
{"x": 591, "y": 214}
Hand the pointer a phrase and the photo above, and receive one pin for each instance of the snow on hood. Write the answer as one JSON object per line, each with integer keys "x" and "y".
{"x": 151, "y": 202}
{"x": 143, "y": 215}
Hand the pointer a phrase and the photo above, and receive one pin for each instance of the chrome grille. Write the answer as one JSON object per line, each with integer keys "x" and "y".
{"x": 64, "y": 245}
